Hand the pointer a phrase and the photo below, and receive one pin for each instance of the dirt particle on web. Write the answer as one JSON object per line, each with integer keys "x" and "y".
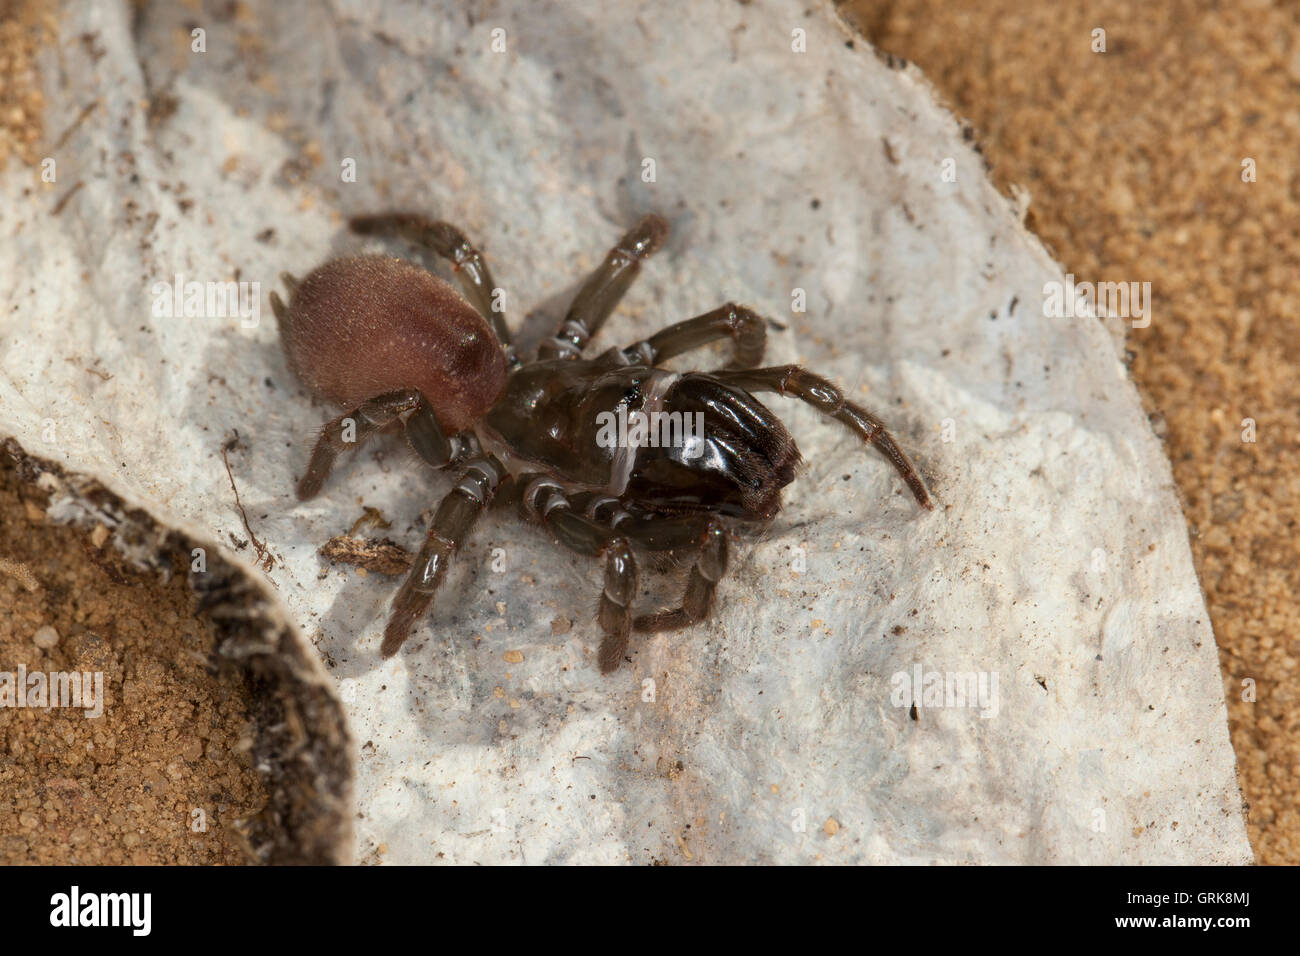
{"x": 383, "y": 556}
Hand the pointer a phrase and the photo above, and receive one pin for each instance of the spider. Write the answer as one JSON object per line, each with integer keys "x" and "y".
{"x": 399, "y": 348}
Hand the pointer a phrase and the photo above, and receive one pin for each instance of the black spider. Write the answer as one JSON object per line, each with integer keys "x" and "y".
{"x": 608, "y": 453}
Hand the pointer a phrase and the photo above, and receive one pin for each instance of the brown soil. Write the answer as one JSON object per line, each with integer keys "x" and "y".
{"x": 25, "y": 26}
{"x": 165, "y": 772}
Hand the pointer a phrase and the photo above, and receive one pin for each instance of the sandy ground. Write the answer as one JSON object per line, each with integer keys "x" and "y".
{"x": 165, "y": 773}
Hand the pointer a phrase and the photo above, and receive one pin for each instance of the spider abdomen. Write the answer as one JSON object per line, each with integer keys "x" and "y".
{"x": 360, "y": 327}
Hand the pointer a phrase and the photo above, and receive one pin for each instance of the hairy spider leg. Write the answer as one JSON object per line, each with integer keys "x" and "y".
{"x": 604, "y": 288}
{"x": 455, "y": 518}
{"x": 357, "y": 425}
{"x": 745, "y": 327}
{"x": 545, "y": 499}
{"x": 709, "y": 568}
{"x": 821, "y": 394}
{"x": 591, "y": 535}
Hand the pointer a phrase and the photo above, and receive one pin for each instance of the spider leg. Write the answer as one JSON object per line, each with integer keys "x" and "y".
{"x": 798, "y": 382}
{"x": 664, "y": 533}
{"x": 603, "y": 289}
{"x": 445, "y": 240}
{"x": 746, "y": 329}
{"x": 710, "y": 565}
{"x": 705, "y": 535}
{"x": 355, "y": 426}
{"x": 452, "y": 523}
{"x": 587, "y": 536}
{"x": 291, "y": 283}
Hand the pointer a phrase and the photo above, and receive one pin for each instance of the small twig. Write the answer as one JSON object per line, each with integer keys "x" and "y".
{"x": 265, "y": 561}
{"x": 58, "y": 207}
{"x": 81, "y": 118}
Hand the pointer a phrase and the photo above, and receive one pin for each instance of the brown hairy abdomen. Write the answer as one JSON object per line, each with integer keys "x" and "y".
{"x": 357, "y": 328}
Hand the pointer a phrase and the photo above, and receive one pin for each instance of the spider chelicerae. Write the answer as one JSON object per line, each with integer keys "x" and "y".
{"x": 399, "y": 348}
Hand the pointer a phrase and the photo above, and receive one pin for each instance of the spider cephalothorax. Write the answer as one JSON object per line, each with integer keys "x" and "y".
{"x": 398, "y": 347}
